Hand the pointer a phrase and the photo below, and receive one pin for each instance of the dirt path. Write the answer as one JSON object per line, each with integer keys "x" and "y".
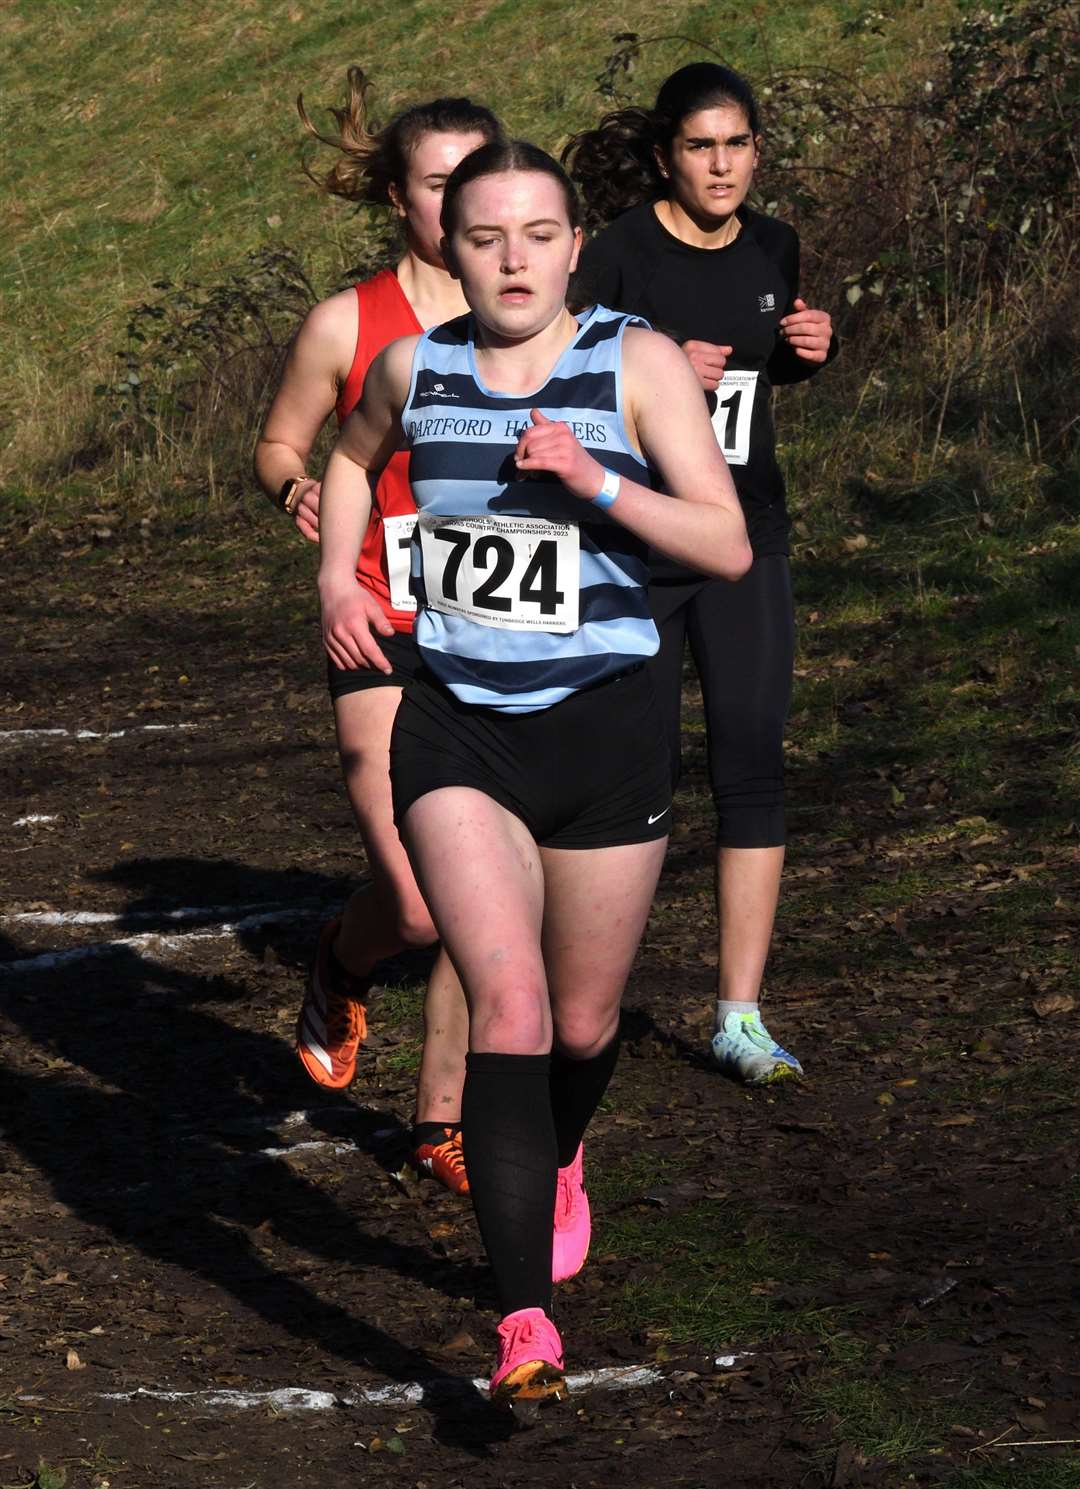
{"x": 182, "y": 1213}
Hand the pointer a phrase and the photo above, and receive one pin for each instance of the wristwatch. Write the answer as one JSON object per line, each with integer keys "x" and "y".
{"x": 288, "y": 498}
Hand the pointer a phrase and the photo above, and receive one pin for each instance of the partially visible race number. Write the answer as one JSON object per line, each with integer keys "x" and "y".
{"x": 398, "y": 533}
{"x": 733, "y": 413}
{"x": 520, "y": 573}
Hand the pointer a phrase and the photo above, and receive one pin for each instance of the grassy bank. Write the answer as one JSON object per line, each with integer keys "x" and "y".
{"x": 151, "y": 145}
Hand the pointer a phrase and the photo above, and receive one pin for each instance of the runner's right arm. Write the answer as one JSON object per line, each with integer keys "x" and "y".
{"x": 304, "y": 401}
{"x": 368, "y": 438}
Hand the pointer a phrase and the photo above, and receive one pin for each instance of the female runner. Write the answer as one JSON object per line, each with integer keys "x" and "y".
{"x": 529, "y": 764}
{"x": 691, "y": 257}
{"x": 403, "y": 167}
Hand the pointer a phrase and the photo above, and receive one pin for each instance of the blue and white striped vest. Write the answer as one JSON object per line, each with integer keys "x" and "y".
{"x": 518, "y": 614}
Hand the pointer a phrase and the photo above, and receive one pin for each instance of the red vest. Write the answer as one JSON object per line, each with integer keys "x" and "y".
{"x": 384, "y": 314}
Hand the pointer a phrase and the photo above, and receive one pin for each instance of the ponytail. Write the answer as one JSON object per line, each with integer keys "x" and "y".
{"x": 614, "y": 165}
{"x": 372, "y": 160}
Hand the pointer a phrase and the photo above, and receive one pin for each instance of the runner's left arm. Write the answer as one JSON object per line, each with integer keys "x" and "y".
{"x": 368, "y": 438}
{"x": 665, "y": 406}
{"x": 806, "y": 340}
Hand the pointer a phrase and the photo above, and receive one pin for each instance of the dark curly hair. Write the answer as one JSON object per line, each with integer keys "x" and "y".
{"x": 615, "y": 165}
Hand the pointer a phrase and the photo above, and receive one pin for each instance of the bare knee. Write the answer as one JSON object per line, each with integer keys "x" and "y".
{"x": 514, "y": 1022}
{"x": 581, "y": 1037}
{"x": 386, "y": 922}
{"x": 414, "y": 926}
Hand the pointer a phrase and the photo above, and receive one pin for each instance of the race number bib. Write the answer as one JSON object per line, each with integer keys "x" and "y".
{"x": 398, "y": 533}
{"x": 734, "y": 410}
{"x": 520, "y": 573}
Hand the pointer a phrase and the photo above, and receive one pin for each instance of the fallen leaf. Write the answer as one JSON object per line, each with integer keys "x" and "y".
{"x": 963, "y": 1119}
{"x": 1053, "y": 1003}
{"x": 73, "y": 1362}
{"x": 462, "y": 1344}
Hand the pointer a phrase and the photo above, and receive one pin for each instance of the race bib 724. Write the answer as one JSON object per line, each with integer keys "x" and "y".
{"x": 520, "y": 573}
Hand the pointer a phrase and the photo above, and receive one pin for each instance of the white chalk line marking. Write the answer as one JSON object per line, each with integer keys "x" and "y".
{"x": 410, "y": 1393}
{"x": 154, "y": 940}
{"x": 29, "y": 736}
{"x": 136, "y": 917}
{"x": 268, "y": 1121}
{"x": 33, "y": 820}
{"x": 310, "y": 1146}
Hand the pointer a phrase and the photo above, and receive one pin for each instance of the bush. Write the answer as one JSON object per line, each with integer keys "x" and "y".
{"x": 201, "y": 361}
{"x": 948, "y": 215}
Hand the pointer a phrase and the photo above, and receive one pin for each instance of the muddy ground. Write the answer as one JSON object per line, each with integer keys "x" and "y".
{"x": 163, "y": 1227}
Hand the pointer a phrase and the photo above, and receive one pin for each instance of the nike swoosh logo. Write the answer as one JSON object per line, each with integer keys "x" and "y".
{"x": 659, "y": 815}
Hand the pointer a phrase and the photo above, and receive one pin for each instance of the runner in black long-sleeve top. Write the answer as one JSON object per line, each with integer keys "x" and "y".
{"x": 722, "y": 279}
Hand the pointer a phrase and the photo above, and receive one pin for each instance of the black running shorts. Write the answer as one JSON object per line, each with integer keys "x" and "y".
{"x": 590, "y": 772}
{"x": 400, "y": 650}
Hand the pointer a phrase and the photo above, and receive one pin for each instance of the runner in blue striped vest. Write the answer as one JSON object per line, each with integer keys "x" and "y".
{"x": 462, "y": 435}
{"x": 529, "y": 765}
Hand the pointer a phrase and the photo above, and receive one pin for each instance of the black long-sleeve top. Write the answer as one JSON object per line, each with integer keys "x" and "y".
{"x": 733, "y": 296}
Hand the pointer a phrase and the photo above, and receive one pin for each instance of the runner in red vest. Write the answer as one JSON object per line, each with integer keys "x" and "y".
{"x": 403, "y": 167}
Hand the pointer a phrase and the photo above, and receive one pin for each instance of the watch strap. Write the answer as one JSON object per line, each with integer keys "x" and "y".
{"x": 288, "y": 498}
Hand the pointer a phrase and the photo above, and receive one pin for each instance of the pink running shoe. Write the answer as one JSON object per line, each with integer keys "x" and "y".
{"x": 530, "y": 1366}
{"x": 573, "y": 1222}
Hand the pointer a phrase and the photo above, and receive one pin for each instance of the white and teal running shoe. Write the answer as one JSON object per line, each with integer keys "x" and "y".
{"x": 744, "y": 1049}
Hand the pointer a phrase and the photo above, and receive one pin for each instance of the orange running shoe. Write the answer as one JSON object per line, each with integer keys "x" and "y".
{"x": 332, "y": 1023}
{"x": 444, "y": 1160}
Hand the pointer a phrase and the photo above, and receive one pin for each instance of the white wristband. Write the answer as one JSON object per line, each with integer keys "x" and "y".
{"x": 608, "y": 492}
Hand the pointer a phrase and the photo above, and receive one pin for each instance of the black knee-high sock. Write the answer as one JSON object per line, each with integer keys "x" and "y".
{"x": 508, "y": 1139}
{"x": 576, "y": 1089}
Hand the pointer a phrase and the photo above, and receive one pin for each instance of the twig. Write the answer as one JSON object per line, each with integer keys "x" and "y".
{"x": 984, "y": 1447}
{"x": 1045, "y": 1442}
